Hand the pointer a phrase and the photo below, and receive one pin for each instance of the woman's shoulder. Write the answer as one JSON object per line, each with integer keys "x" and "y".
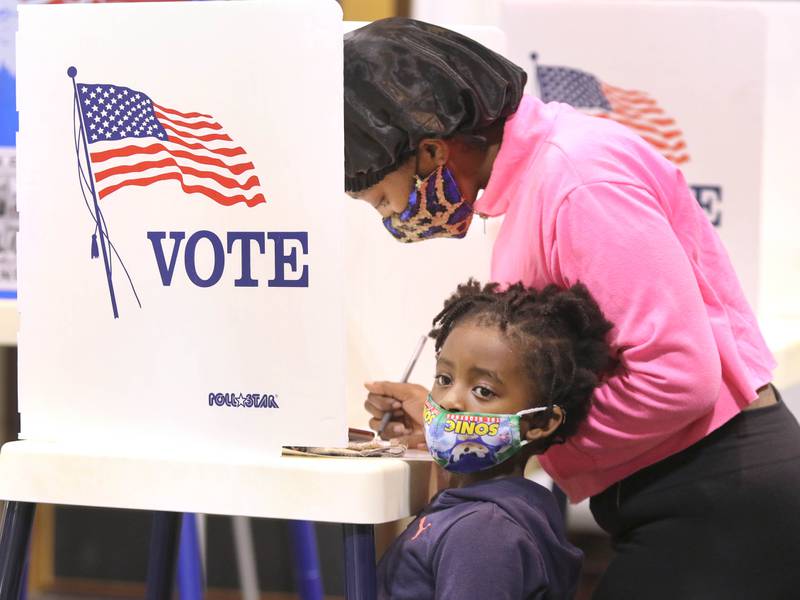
{"x": 594, "y": 149}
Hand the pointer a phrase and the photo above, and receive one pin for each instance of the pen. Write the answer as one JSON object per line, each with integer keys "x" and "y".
{"x": 387, "y": 416}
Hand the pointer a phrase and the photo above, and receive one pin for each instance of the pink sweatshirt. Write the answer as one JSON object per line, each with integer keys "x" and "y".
{"x": 587, "y": 200}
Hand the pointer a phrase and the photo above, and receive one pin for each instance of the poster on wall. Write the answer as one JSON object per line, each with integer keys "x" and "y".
{"x": 180, "y": 274}
{"x": 9, "y": 220}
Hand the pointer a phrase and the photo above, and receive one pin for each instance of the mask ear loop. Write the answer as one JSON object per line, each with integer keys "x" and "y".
{"x": 418, "y": 181}
{"x": 529, "y": 411}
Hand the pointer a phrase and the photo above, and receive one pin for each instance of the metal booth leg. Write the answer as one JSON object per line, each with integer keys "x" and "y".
{"x": 245, "y": 557}
{"x": 23, "y": 587}
{"x": 190, "y": 565}
{"x": 163, "y": 555}
{"x": 17, "y": 523}
{"x": 303, "y": 540}
{"x": 359, "y": 562}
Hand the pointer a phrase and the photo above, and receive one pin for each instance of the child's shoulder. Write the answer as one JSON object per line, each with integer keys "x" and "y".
{"x": 499, "y": 491}
{"x": 508, "y": 519}
{"x": 503, "y": 509}
{"x": 509, "y": 501}
{"x": 493, "y": 526}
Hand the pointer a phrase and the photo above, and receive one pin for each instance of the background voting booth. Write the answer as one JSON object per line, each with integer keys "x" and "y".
{"x": 181, "y": 304}
{"x": 728, "y": 116}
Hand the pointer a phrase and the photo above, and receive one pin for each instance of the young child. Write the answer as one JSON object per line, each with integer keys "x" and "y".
{"x": 515, "y": 373}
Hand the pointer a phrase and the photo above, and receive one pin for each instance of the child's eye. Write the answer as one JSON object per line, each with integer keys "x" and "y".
{"x": 442, "y": 380}
{"x": 483, "y": 392}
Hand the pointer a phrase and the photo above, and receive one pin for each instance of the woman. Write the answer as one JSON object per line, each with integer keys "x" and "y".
{"x": 688, "y": 455}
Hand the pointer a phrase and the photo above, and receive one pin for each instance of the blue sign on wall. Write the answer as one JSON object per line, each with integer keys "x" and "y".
{"x": 8, "y": 108}
{"x": 9, "y": 220}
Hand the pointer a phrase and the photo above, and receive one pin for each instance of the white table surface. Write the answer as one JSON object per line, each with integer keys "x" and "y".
{"x": 341, "y": 490}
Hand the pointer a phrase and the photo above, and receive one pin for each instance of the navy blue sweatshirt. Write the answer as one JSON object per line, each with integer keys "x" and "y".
{"x": 501, "y": 539}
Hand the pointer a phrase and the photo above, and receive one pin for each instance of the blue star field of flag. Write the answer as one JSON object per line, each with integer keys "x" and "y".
{"x": 113, "y": 113}
{"x": 571, "y": 86}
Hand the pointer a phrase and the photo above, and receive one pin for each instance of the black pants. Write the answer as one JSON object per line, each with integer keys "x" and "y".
{"x": 717, "y": 521}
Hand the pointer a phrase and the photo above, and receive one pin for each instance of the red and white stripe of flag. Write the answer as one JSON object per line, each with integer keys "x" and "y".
{"x": 642, "y": 114}
{"x": 197, "y": 153}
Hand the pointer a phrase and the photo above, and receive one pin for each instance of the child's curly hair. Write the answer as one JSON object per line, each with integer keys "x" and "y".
{"x": 561, "y": 333}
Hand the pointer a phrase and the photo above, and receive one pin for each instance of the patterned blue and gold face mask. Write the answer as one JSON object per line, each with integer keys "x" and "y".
{"x": 435, "y": 208}
{"x": 466, "y": 442}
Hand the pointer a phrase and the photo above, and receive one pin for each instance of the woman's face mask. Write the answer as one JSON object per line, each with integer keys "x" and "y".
{"x": 435, "y": 208}
{"x": 466, "y": 442}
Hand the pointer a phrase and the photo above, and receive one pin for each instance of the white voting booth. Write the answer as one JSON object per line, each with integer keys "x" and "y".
{"x": 209, "y": 319}
{"x": 181, "y": 264}
{"x": 711, "y": 73}
{"x": 721, "y": 76}
{"x": 724, "y": 77}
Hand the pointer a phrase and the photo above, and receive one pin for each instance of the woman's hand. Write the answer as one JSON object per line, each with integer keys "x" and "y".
{"x": 404, "y": 401}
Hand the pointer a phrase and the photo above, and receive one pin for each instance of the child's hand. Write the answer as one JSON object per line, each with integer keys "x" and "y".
{"x": 404, "y": 401}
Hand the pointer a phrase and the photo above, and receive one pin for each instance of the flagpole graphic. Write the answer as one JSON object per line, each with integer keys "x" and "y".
{"x": 97, "y": 214}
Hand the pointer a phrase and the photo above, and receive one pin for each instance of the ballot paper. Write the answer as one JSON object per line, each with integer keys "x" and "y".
{"x": 375, "y": 448}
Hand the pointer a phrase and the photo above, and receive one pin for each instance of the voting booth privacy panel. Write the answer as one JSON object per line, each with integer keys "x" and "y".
{"x": 716, "y": 81}
{"x": 688, "y": 77}
{"x": 180, "y": 243}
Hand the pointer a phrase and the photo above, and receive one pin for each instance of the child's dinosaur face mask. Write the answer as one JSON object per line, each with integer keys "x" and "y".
{"x": 466, "y": 442}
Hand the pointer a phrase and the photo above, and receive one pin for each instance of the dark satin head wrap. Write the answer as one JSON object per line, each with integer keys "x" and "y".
{"x": 404, "y": 81}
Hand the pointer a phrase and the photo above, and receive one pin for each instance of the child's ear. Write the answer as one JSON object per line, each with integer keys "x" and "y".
{"x": 538, "y": 433}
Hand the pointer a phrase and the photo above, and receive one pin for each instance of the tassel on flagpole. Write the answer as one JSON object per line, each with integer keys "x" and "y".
{"x": 95, "y": 250}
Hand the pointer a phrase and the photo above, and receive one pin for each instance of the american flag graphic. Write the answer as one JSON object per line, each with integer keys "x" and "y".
{"x": 135, "y": 142}
{"x": 632, "y": 108}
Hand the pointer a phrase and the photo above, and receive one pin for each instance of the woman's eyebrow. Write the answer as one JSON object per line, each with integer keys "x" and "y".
{"x": 443, "y": 361}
